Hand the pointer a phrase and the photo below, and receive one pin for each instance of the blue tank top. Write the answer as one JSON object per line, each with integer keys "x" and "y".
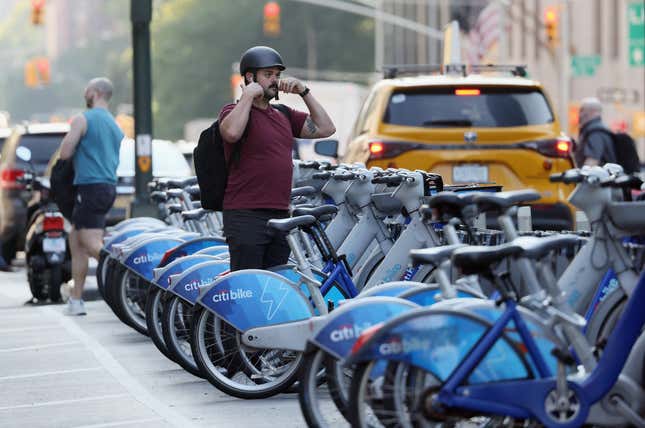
{"x": 97, "y": 154}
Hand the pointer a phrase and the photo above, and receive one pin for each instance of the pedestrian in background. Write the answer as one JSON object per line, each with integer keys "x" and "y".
{"x": 259, "y": 177}
{"x": 596, "y": 146}
{"x": 93, "y": 143}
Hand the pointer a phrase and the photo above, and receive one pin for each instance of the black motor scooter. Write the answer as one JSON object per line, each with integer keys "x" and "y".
{"x": 48, "y": 259}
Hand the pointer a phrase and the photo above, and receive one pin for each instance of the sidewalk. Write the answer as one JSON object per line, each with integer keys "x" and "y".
{"x": 94, "y": 371}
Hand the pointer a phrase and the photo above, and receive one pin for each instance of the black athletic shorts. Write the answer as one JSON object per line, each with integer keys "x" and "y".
{"x": 93, "y": 201}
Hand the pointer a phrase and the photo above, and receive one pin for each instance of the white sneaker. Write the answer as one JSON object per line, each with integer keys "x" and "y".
{"x": 65, "y": 291}
{"x": 74, "y": 307}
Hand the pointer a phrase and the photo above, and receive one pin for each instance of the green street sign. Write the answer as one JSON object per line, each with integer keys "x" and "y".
{"x": 636, "y": 33}
{"x": 584, "y": 65}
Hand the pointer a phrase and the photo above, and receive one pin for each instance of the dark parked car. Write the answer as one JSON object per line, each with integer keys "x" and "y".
{"x": 42, "y": 140}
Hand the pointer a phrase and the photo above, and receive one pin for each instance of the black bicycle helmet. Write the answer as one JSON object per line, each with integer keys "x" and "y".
{"x": 260, "y": 57}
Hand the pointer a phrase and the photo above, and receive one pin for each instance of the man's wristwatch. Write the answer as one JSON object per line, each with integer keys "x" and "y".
{"x": 304, "y": 93}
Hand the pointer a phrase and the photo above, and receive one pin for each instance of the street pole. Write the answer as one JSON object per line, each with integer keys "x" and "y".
{"x": 565, "y": 67}
{"x": 140, "y": 15}
{"x": 379, "y": 40}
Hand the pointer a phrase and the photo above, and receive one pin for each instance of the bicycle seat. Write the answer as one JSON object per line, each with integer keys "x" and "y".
{"x": 195, "y": 214}
{"x": 174, "y": 208}
{"x": 435, "y": 255}
{"x": 174, "y": 193}
{"x": 303, "y": 191}
{"x": 193, "y": 190}
{"x": 535, "y": 248}
{"x": 628, "y": 216}
{"x": 158, "y": 196}
{"x": 316, "y": 211}
{"x": 478, "y": 258}
{"x": 181, "y": 182}
{"x": 287, "y": 224}
{"x": 501, "y": 201}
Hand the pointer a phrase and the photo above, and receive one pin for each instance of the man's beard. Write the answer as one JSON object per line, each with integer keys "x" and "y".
{"x": 269, "y": 94}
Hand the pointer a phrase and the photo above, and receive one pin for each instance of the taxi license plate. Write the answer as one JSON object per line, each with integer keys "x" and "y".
{"x": 471, "y": 173}
{"x": 54, "y": 245}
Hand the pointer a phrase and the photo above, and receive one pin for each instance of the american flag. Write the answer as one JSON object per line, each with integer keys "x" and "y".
{"x": 485, "y": 33}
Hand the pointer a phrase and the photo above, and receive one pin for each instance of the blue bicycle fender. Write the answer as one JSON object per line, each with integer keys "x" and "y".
{"x": 431, "y": 294}
{"x": 346, "y": 323}
{"x": 178, "y": 266}
{"x": 437, "y": 341}
{"x": 145, "y": 258}
{"x": 215, "y": 250}
{"x": 391, "y": 289}
{"x": 255, "y": 298}
{"x": 123, "y": 236}
{"x": 290, "y": 272}
{"x": 187, "y": 284}
{"x": 191, "y": 247}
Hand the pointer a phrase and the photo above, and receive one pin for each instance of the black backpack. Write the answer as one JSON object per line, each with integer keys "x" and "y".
{"x": 625, "y": 150}
{"x": 62, "y": 190}
{"x": 211, "y": 166}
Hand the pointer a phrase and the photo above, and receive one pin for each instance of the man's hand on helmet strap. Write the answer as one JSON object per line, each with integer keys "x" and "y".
{"x": 253, "y": 90}
{"x": 291, "y": 85}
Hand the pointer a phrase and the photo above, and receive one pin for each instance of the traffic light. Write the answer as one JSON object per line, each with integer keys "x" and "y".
{"x": 272, "y": 19}
{"x": 37, "y": 72}
{"x": 551, "y": 26}
{"x": 37, "y": 11}
{"x": 31, "y": 74}
{"x": 43, "y": 69}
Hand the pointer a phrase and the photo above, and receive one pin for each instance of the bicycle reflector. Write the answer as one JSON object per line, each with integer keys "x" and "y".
{"x": 467, "y": 92}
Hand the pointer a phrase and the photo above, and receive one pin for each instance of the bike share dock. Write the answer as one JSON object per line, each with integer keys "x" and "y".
{"x": 94, "y": 371}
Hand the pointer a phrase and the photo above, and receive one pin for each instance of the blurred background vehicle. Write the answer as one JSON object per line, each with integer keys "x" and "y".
{"x": 167, "y": 161}
{"x": 494, "y": 127}
{"x": 16, "y": 206}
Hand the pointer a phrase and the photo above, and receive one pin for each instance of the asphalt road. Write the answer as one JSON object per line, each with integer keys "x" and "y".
{"x": 93, "y": 371}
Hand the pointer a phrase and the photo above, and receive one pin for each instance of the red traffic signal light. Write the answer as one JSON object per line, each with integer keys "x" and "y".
{"x": 272, "y": 19}
{"x": 37, "y": 10}
{"x": 271, "y": 10}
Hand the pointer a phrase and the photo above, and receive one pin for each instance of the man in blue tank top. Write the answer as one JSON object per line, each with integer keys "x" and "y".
{"x": 93, "y": 143}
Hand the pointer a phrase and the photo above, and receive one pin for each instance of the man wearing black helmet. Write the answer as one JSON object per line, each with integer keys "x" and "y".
{"x": 258, "y": 145}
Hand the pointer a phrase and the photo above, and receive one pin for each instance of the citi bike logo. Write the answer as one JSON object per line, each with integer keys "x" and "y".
{"x": 196, "y": 284}
{"x": 348, "y": 332}
{"x": 404, "y": 345}
{"x": 229, "y": 295}
{"x": 147, "y": 258}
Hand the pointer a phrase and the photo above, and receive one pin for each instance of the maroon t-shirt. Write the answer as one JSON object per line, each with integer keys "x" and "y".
{"x": 262, "y": 178}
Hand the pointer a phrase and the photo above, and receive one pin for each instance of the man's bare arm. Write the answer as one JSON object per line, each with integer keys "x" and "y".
{"x": 234, "y": 124}
{"x": 77, "y": 130}
{"x": 318, "y": 124}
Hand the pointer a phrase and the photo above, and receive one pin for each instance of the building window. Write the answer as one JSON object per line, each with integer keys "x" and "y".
{"x": 598, "y": 25}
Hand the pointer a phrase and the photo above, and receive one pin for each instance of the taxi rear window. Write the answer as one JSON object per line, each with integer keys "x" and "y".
{"x": 496, "y": 107}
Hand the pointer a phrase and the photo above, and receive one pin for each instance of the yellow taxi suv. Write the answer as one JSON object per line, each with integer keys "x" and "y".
{"x": 470, "y": 128}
